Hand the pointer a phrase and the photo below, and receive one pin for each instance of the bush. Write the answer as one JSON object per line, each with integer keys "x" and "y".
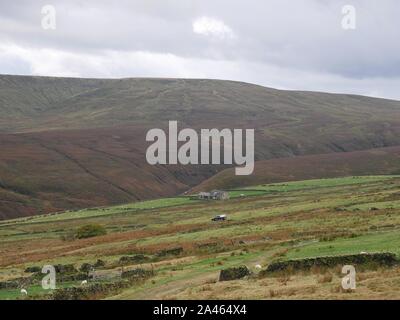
{"x": 34, "y": 269}
{"x": 90, "y": 230}
{"x": 234, "y": 273}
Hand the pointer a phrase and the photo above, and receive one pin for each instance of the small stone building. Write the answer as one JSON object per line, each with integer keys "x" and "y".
{"x": 214, "y": 195}
{"x": 204, "y": 196}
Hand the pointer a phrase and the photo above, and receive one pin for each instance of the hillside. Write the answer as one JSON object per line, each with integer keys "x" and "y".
{"x": 183, "y": 251}
{"x": 73, "y": 143}
{"x": 378, "y": 161}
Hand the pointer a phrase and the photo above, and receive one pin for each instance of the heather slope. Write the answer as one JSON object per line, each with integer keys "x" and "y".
{"x": 380, "y": 161}
{"x": 73, "y": 143}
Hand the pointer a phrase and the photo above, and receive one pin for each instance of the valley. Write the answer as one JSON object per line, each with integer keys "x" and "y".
{"x": 77, "y": 193}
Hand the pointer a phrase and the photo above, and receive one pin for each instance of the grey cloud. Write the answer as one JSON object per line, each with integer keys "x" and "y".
{"x": 302, "y": 37}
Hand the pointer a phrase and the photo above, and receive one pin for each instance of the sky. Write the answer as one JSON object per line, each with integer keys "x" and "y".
{"x": 318, "y": 45}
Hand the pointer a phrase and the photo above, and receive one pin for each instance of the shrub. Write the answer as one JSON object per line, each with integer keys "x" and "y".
{"x": 234, "y": 273}
{"x": 89, "y": 231}
{"x": 34, "y": 269}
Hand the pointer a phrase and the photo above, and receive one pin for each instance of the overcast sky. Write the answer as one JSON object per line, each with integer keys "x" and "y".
{"x": 277, "y": 43}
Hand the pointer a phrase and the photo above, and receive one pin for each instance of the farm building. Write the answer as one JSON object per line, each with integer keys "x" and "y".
{"x": 204, "y": 196}
{"x": 214, "y": 195}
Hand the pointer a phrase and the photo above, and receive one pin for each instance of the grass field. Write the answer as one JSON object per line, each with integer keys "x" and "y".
{"x": 270, "y": 222}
